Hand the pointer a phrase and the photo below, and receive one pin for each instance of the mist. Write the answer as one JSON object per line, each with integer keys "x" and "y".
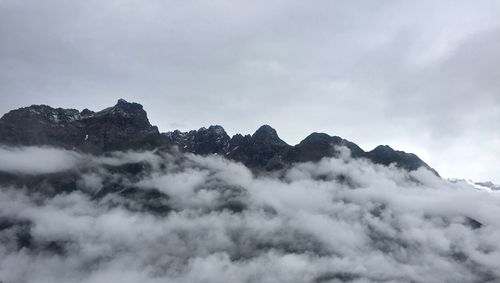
{"x": 171, "y": 217}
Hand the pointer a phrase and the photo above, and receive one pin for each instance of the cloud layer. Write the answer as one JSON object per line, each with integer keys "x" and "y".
{"x": 168, "y": 217}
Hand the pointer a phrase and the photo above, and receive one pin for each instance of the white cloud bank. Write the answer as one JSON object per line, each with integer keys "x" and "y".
{"x": 36, "y": 160}
{"x": 337, "y": 220}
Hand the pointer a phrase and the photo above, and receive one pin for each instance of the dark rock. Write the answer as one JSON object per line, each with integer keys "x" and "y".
{"x": 125, "y": 126}
{"x": 489, "y": 185}
{"x": 49, "y": 184}
{"x": 385, "y": 155}
{"x": 42, "y": 125}
{"x": 267, "y": 135}
{"x": 203, "y": 141}
{"x": 337, "y": 277}
{"x": 263, "y": 150}
{"x": 319, "y": 145}
{"x": 472, "y": 223}
{"x": 121, "y": 127}
{"x": 20, "y": 229}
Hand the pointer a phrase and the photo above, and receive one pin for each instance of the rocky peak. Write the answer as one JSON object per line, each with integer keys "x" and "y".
{"x": 267, "y": 134}
{"x": 124, "y": 114}
{"x": 125, "y": 126}
{"x": 215, "y": 133}
{"x": 42, "y": 114}
{"x": 86, "y": 113}
{"x": 128, "y": 107}
{"x": 383, "y": 149}
{"x": 41, "y": 125}
{"x": 489, "y": 185}
{"x": 264, "y": 149}
{"x": 121, "y": 127}
{"x": 319, "y": 145}
{"x": 124, "y": 108}
{"x": 213, "y": 140}
{"x": 217, "y": 130}
{"x": 385, "y": 155}
{"x": 317, "y": 138}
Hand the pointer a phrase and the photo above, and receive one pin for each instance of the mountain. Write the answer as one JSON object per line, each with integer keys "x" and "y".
{"x": 121, "y": 127}
{"x": 482, "y": 186}
{"x": 489, "y": 185}
{"x": 126, "y": 126}
{"x": 127, "y": 212}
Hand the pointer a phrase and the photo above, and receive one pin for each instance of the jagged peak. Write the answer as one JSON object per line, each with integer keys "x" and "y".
{"x": 384, "y": 154}
{"x": 38, "y": 106}
{"x": 43, "y": 112}
{"x": 388, "y": 149}
{"x": 217, "y": 129}
{"x": 383, "y": 148}
{"x": 214, "y": 139}
{"x": 316, "y": 137}
{"x": 125, "y": 105}
{"x": 236, "y": 138}
{"x": 268, "y": 134}
{"x": 212, "y": 129}
{"x": 86, "y": 112}
{"x": 125, "y": 109}
{"x": 317, "y": 134}
{"x": 266, "y": 129}
{"x": 265, "y": 132}
{"x": 35, "y": 109}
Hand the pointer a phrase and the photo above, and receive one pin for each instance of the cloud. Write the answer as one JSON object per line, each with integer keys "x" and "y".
{"x": 34, "y": 160}
{"x": 339, "y": 219}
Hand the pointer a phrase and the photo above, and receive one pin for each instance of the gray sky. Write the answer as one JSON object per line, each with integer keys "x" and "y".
{"x": 421, "y": 76}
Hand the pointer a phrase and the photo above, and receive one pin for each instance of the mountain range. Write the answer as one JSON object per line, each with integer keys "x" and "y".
{"x": 105, "y": 196}
{"x": 125, "y": 126}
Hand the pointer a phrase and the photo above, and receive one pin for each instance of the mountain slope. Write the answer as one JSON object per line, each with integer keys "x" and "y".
{"x": 126, "y": 126}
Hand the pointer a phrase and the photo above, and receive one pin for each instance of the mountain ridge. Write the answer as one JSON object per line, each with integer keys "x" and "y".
{"x": 125, "y": 126}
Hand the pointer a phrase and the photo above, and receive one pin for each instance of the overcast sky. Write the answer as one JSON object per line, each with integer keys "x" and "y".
{"x": 421, "y": 76}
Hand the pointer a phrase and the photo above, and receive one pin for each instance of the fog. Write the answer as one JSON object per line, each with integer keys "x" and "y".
{"x": 173, "y": 217}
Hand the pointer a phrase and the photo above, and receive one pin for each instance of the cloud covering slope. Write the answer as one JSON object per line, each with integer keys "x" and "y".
{"x": 168, "y": 217}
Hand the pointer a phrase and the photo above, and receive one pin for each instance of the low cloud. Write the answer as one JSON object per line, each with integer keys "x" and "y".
{"x": 35, "y": 160}
{"x": 169, "y": 217}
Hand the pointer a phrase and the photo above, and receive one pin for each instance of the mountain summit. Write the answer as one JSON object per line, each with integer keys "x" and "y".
{"x": 121, "y": 127}
{"x": 266, "y": 134}
{"x": 125, "y": 126}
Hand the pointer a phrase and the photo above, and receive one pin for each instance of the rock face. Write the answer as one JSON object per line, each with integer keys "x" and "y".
{"x": 125, "y": 126}
{"x": 203, "y": 141}
{"x": 263, "y": 149}
{"x": 266, "y": 151}
{"x": 121, "y": 127}
{"x": 489, "y": 185}
{"x": 318, "y": 145}
{"x": 385, "y": 155}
